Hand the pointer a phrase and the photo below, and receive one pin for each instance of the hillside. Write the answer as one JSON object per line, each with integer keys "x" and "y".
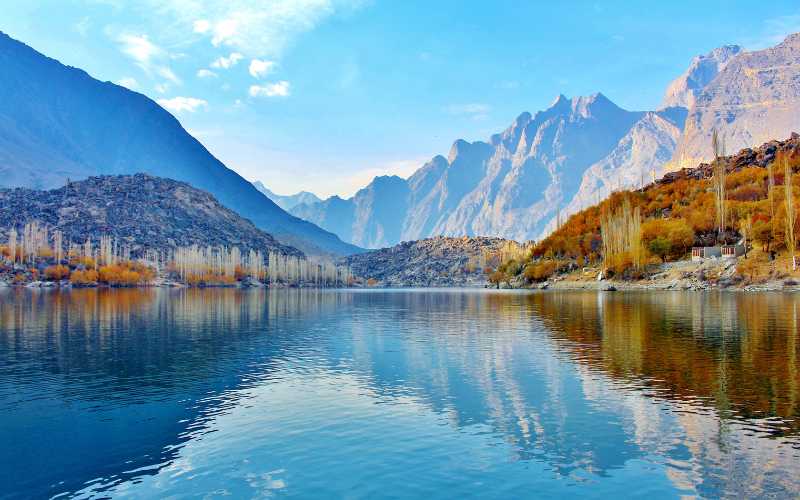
{"x": 439, "y": 261}
{"x": 677, "y": 212}
{"x": 140, "y": 211}
{"x": 59, "y": 123}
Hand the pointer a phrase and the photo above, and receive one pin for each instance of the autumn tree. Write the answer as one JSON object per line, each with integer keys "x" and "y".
{"x": 718, "y": 145}
{"x": 790, "y": 214}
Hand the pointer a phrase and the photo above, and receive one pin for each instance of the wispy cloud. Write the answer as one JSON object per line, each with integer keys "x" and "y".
{"x": 227, "y": 62}
{"x": 259, "y": 68}
{"x": 468, "y": 109}
{"x": 277, "y": 89}
{"x": 258, "y": 28}
{"x": 82, "y": 26}
{"x": 151, "y": 58}
{"x": 205, "y": 73}
{"x": 182, "y": 104}
{"x": 475, "y": 110}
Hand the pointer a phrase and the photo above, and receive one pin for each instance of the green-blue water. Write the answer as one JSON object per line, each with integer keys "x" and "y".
{"x": 398, "y": 394}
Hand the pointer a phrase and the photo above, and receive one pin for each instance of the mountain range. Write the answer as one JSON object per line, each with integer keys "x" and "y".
{"x": 521, "y": 182}
{"x": 59, "y": 123}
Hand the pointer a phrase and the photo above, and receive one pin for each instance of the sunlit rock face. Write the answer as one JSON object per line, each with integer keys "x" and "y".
{"x": 683, "y": 91}
{"x": 754, "y": 98}
{"x": 510, "y": 185}
{"x": 639, "y": 157}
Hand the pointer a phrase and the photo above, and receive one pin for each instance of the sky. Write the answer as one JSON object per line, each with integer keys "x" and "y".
{"x": 323, "y": 95}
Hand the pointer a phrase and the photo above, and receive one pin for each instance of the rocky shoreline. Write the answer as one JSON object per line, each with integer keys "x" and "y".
{"x": 711, "y": 274}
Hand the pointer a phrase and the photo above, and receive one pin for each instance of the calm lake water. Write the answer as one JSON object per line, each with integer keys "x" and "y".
{"x": 398, "y": 394}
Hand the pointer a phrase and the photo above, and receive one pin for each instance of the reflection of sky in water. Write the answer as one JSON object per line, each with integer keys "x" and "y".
{"x": 441, "y": 394}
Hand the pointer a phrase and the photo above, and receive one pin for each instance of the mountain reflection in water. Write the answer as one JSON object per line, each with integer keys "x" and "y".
{"x": 397, "y": 393}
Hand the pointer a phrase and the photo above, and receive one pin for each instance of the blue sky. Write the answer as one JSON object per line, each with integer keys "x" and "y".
{"x": 324, "y": 94}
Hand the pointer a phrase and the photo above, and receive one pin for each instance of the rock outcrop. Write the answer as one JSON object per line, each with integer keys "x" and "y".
{"x": 439, "y": 261}
{"x": 683, "y": 91}
{"x": 139, "y": 211}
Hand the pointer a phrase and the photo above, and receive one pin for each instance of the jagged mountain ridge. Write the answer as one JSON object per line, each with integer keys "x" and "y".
{"x": 510, "y": 185}
{"x": 578, "y": 150}
{"x": 140, "y": 211}
{"x": 59, "y": 123}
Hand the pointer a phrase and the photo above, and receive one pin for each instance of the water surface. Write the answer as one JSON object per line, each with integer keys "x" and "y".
{"x": 397, "y": 394}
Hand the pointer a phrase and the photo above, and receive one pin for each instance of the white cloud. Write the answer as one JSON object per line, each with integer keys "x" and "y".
{"x": 148, "y": 56}
{"x": 168, "y": 74}
{"x": 259, "y": 68}
{"x": 201, "y": 26}
{"x": 227, "y": 62}
{"x": 139, "y": 48}
{"x": 128, "y": 82}
{"x": 258, "y": 28}
{"x": 205, "y": 73}
{"x": 277, "y": 89}
{"x": 181, "y": 104}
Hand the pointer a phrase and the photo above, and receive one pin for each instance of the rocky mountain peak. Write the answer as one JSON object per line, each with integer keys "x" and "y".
{"x": 753, "y": 98}
{"x": 792, "y": 40}
{"x": 560, "y": 100}
{"x": 591, "y": 105}
{"x": 683, "y": 91}
{"x": 459, "y": 147}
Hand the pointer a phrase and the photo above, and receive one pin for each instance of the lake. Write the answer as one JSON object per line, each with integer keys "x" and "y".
{"x": 152, "y": 393}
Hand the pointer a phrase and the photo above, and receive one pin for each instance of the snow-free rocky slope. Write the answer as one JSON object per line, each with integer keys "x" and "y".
{"x": 546, "y": 166}
{"x": 59, "y": 123}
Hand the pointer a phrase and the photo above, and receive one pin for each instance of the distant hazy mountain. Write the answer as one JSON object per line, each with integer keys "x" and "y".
{"x": 509, "y": 186}
{"x": 575, "y": 152}
{"x": 287, "y": 202}
{"x": 57, "y": 122}
{"x": 754, "y": 98}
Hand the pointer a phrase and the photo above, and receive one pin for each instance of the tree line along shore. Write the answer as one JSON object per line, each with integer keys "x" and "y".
{"x": 37, "y": 257}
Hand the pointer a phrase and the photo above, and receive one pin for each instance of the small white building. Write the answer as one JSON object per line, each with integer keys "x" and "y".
{"x": 701, "y": 253}
{"x": 732, "y": 251}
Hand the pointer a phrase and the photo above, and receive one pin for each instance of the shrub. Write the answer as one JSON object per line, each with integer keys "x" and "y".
{"x": 497, "y": 277}
{"x": 675, "y": 237}
{"x": 540, "y": 271}
{"x": 83, "y": 278}
{"x": 56, "y": 273}
{"x": 660, "y": 246}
